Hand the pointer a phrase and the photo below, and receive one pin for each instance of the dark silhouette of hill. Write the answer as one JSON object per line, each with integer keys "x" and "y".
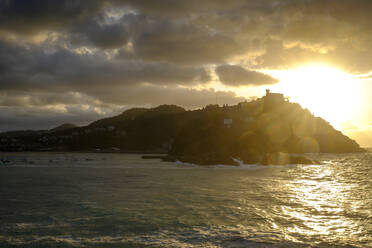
{"x": 259, "y": 132}
{"x": 265, "y": 130}
{"x": 62, "y": 127}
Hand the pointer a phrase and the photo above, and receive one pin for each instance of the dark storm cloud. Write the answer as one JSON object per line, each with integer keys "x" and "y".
{"x": 185, "y": 44}
{"x": 197, "y": 32}
{"x": 181, "y": 8}
{"x": 32, "y": 68}
{"x": 234, "y": 75}
{"x": 112, "y": 53}
{"x": 101, "y": 35}
{"x": 31, "y": 16}
{"x": 213, "y": 31}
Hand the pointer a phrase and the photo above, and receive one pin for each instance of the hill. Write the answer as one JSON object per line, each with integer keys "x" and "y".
{"x": 62, "y": 127}
{"x": 265, "y": 130}
{"x": 257, "y": 132}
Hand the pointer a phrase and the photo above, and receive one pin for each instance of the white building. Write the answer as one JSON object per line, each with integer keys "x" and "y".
{"x": 227, "y": 122}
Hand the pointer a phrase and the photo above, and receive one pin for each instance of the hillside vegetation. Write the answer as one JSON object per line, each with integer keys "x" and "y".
{"x": 251, "y": 131}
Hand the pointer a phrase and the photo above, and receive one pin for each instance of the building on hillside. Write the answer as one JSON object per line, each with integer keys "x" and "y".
{"x": 227, "y": 122}
{"x": 274, "y": 96}
{"x": 272, "y": 100}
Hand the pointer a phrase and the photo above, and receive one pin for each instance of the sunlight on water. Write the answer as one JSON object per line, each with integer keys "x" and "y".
{"x": 324, "y": 200}
{"x": 113, "y": 200}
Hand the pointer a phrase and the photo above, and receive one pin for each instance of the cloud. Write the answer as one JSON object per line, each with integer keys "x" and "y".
{"x": 181, "y": 8}
{"x": 234, "y": 75}
{"x": 40, "y": 99}
{"x": 105, "y": 36}
{"x": 364, "y": 137}
{"x": 207, "y": 32}
{"x": 37, "y": 118}
{"x": 347, "y": 57}
{"x": 103, "y": 53}
{"x": 184, "y": 44}
{"x": 33, "y": 68}
{"x": 152, "y": 95}
{"x": 32, "y": 16}
{"x": 349, "y": 125}
{"x": 46, "y": 110}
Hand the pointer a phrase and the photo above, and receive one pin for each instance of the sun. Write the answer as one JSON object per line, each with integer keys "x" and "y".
{"x": 326, "y": 91}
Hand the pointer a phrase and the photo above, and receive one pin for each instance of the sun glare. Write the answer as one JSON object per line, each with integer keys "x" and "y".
{"x": 327, "y": 92}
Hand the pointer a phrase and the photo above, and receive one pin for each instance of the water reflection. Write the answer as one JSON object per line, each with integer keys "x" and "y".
{"x": 97, "y": 200}
{"x": 324, "y": 202}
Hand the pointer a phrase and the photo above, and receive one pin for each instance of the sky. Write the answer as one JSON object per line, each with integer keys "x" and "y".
{"x": 64, "y": 61}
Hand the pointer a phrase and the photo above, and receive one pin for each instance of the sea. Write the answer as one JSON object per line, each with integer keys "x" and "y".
{"x": 121, "y": 200}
